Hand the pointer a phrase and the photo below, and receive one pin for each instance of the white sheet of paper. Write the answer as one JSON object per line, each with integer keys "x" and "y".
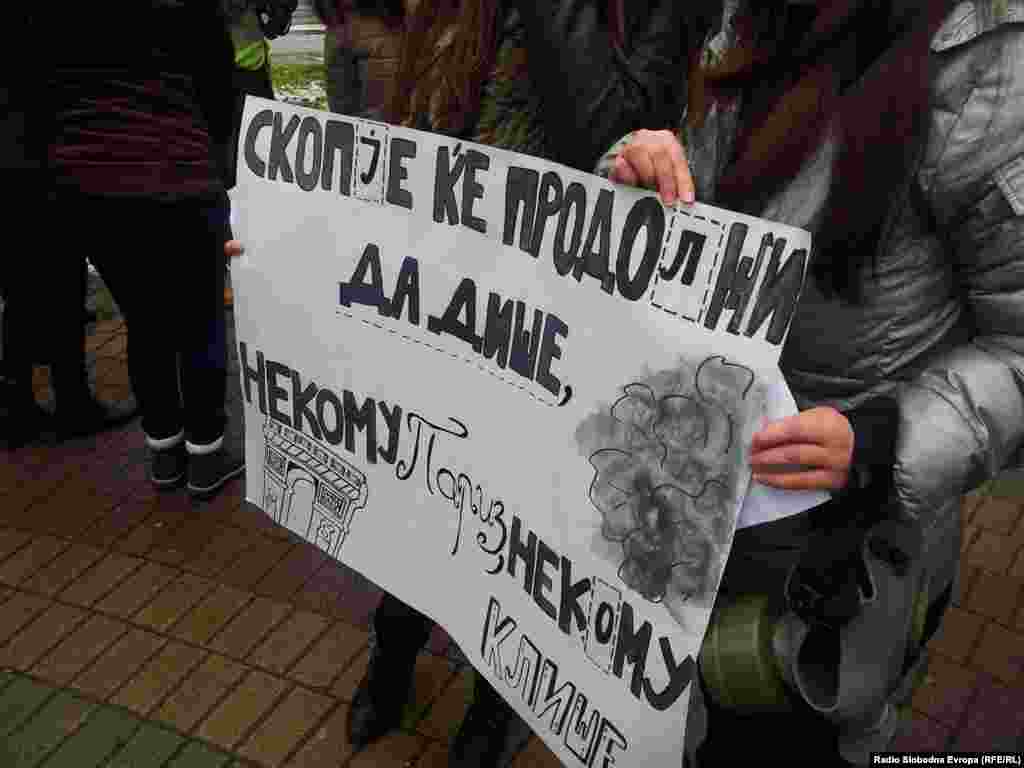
{"x": 763, "y": 503}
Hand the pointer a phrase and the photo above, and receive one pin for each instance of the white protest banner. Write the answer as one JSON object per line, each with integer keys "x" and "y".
{"x": 516, "y": 396}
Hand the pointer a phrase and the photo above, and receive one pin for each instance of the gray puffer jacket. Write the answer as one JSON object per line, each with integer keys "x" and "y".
{"x": 942, "y": 326}
{"x": 941, "y": 330}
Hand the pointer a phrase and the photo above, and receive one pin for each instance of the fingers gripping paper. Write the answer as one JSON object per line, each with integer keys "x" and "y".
{"x": 514, "y": 395}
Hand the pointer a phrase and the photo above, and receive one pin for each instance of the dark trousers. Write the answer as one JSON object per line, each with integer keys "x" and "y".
{"x": 44, "y": 304}
{"x": 163, "y": 263}
{"x": 401, "y": 630}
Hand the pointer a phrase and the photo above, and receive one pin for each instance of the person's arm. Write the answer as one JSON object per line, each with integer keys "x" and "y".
{"x": 962, "y": 420}
{"x": 593, "y": 93}
{"x": 213, "y": 68}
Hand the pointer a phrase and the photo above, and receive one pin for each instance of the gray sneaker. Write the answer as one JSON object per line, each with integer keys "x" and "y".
{"x": 208, "y": 472}
{"x": 167, "y": 467}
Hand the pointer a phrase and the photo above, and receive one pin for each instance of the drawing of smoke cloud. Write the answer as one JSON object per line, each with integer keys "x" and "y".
{"x": 667, "y": 458}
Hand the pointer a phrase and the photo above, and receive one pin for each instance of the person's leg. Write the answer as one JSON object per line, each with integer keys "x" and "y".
{"x": 203, "y": 346}
{"x": 65, "y": 278}
{"x": 147, "y": 287}
{"x": 401, "y": 631}
{"x": 21, "y": 419}
{"x": 483, "y": 735}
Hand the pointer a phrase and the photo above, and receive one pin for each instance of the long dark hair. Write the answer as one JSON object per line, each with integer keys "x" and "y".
{"x": 860, "y": 61}
{"x": 451, "y": 77}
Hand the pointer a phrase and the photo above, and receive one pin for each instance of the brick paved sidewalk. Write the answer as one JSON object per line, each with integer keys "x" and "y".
{"x": 140, "y": 629}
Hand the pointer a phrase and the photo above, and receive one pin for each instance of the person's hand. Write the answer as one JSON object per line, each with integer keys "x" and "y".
{"x": 809, "y": 451}
{"x": 233, "y": 249}
{"x": 655, "y": 160}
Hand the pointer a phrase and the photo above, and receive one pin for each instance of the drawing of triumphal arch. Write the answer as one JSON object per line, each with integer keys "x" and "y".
{"x": 338, "y": 489}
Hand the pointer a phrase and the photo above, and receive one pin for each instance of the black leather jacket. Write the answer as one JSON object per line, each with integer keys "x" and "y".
{"x": 591, "y": 92}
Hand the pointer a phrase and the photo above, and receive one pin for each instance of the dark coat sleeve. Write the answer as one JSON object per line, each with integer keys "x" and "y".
{"x": 592, "y": 92}
{"x": 213, "y": 68}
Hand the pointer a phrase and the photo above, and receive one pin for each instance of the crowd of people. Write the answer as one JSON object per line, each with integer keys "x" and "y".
{"x": 892, "y": 130}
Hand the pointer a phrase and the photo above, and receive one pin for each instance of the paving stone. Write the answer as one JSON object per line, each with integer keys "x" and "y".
{"x": 11, "y": 541}
{"x": 246, "y": 630}
{"x": 167, "y": 513}
{"x": 288, "y": 642}
{"x": 185, "y": 543}
{"x": 396, "y": 750}
{"x": 328, "y": 745}
{"x": 150, "y": 747}
{"x": 242, "y": 514}
{"x": 174, "y": 601}
{"x": 345, "y": 686}
{"x": 991, "y": 551}
{"x": 158, "y": 677}
{"x": 340, "y": 593}
{"x": 995, "y": 720}
{"x": 225, "y": 545}
{"x": 443, "y": 720}
{"x": 120, "y": 662}
{"x": 36, "y": 639}
{"x": 79, "y": 649}
{"x": 329, "y": 655}
{"x": 200, "y": 692}
{"x": 211, "y": 614}
{"x": 1001, "y": 654}
{"x": 66, "y": 568}
{"x": 994, "y": 596}
{"x": 75, "y": 507}
{"x": 105, "y": 732}
{"x": 101, "y": 579}
{"x": 116, "y": 523}
{"x": 255, "y": 562}
{"x": 430, "y": 677}
{"x": 19, "y": 699}
{"x": 999, "y": 515}
{"x": 970, "y": 532}
{"x": 288, "y": 576}
{"x": 199, "y": 755}
{"x": 968, "y": 575}
{"x": 957, "y": 634}
{"x": 286, "y": 727}
{"x": 29, "y": 559}
{"x": 58, "y": 719}
{"x": 921, "y": 734}
{"x": 17, "y": 611}
{"x": 435, "y": 756}
{"x": 945, "y": 691}
{"x": 230, "y": 721}
{"x": 1016, "y": 574}
{"x": 132, "y": 594}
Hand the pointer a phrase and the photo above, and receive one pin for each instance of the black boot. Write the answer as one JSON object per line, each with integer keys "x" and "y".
{"x": 380, "y": 698}
{"x": 483, "y": 735}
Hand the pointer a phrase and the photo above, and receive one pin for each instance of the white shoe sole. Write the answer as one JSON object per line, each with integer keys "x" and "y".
{"x": 201, "y": 491}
